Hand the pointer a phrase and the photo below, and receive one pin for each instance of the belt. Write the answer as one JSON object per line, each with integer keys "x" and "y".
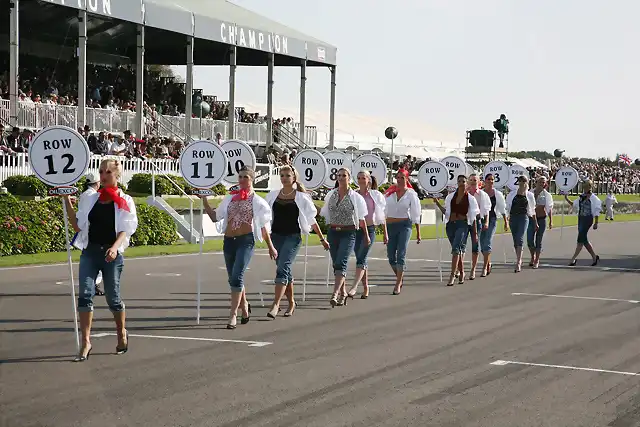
{"x": 343, "y": 227}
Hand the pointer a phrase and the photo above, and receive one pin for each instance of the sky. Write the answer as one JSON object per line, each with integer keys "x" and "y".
{"x": 564, "y": 72}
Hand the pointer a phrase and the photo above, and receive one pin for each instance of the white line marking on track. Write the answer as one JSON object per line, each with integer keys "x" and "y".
{"x": 575, "y": 368}
{"x": 575, "y": 297}
{"x": 251, "y": 343}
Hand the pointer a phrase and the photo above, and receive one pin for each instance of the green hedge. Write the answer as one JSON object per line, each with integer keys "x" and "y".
{"x": 29, "y": 227}
{"x": 140, "y": 183}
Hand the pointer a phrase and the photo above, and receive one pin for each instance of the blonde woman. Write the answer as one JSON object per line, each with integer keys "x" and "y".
{"x": 376, "y": 204}
{"x": 242, "y": 216}
{"x": 345, "y": 211}
{"x": 403, "y": 209}
{"x": 104, "y": 222}
{"x": 588, "y": 207}
{"x": 293, "y": 214}
{"x": 498, "y": 207}
{"x": 482, "y": 221}
{"x": 544, "y": 210}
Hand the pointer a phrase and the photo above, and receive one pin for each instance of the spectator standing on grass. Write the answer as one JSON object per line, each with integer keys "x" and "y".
{"x": 104, "y": 222}
{"x": 608, "y": 203}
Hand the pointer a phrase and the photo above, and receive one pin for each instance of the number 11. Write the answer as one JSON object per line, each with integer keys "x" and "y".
{"x": 196, "y": 174}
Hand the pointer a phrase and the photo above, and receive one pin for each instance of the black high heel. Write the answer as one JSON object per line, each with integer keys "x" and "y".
{"x": 245, "y": 320}
{"x": 80, "y": 358}
{"x": 123, "y": 350}
{"x": 573, "y": 263}
{"x": 596, "y": 261}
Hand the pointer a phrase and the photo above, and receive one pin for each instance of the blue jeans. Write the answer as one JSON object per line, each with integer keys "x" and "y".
{"x": 475, "y": 246}
{"x": 399, "y": 236}
{"x": 92, "y": 261}
{"x": 518, "y": 224}
{"x": 486, "y": 236}
{"x": 457, "y": 233}
{"x": 287, "y": 247}
{"x": 237, "y": 254}
{"x": 341, "y": 244}
{"x": 584, "y": 224}
{"x": 534, "y": 240}
{"x": 361, "y": 250}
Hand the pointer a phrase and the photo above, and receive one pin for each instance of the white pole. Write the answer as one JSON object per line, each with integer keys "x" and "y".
{"x": 200, "y": 259}
{"x": 504, "y": 248}
{"x": 73, "y": 285}
{"x": 562, "y": 221}
{"x": 304, "y": 281}
{"x": 328, "y": 268}
{"x": 438, "y": 232}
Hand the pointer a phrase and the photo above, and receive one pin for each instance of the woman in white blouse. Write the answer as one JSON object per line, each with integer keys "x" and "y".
{"x": 242, "y": 216}
{"x": 588, "y": 207}
{"x": 403, "y": 209}
{"x": 104, "y": 222}
{"x": 293, "y": 214}
{"x": 498, "y": 207}
{"x": 376, "y": 205}
{"x": 521, "y": 206}
{"x": 482, "y": 221}
{"x": 344, "y": 211}
{"x": 544, "y": 209}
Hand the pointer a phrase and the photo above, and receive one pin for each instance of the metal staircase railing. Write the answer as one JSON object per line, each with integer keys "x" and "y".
{"x": 289, "y": 139}
{"x": 169, "y": 129}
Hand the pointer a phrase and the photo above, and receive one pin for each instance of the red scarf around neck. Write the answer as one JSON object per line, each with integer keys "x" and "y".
{"x": 108, "y": 194}
{"x": 394, "y": 188}
{"x": 240, "y": 194}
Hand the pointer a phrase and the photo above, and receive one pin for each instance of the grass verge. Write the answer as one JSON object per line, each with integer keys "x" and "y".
{"x": 427, "y": 231}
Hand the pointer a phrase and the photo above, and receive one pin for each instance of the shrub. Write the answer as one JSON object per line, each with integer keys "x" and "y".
{"x": 384, "y": 187}
{"x": 220, "y": 190}
{"x": 141, "y": 183}
{"x": 155, "y": 227}
{"x": 21, "y": 185}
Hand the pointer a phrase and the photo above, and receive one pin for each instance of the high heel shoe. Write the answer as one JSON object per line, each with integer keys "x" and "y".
{"x": 245, "y": 320}
{"x": 334, "y": 299}
{"x": 81, "y": 358}
{"x": 125, "y": 348}
{"x": 573, "y": 263}
{"x": 274, "y": 312}
{"x": 461, "y": 279}
{"x": 233, "y": 321}
{"x": 489, "y": 267}
{"x": 290, "y": 310}
{"x": 596, "y": 261}
{"x": 452, "y": 278}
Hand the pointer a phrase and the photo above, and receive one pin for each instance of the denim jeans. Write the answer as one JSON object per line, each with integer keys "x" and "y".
{"x": 486, "y": 236}
{"x": 237, "y": 254}
{"x": 92, "y": 261}
{"x": 361, "y": 250}
{"x": 534, "y": 239}
{"x": 399, "y": 236}
{"x": 584, "y": 224}
{"x": 341, "y": 244}
{"x": 457, "y": 233}
{"x": 287, "y": 247}
{"x": 475, "y": 246}
{"x": 518, "y": 224}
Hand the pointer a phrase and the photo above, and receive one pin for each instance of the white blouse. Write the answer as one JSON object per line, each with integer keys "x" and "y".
{"x": 262, "y": 215}
{"x": 501, "y": 205}
{"x": 545, "y": 199}
{"x": 359, "y": 206}
{"x": 596, "y": 205}
{"x": 125, "y": 221}
{"x": 307, "y": 210}
{"x": 531, "y": 203}
{"x": 472, "y": 213}
{"x": 380, "y": 206}
{"x": 407, "y": 207}
{"x": 484, "y": 202}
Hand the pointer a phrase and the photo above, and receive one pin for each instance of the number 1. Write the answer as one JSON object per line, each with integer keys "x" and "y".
{"x": 565, "y": 181}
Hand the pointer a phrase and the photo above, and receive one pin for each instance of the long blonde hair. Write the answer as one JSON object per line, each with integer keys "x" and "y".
{"x": 294, "y": 172}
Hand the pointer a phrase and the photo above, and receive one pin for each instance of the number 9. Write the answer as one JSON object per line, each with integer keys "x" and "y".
{"x": 308, "y": 174}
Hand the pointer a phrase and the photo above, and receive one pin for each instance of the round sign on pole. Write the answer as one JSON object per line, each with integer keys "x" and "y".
{"x": 311, "y": 167}
{"x": 59, "y": 156}
{"x": 455, "y": 167}
{"x": 203, "y": 164}
{"x": 515, "y": 172}
{"x": 372, "y": 163}
{"x": 470, "y": 170}
{"x": 566, "y": 179}
{"x": 500, "y": 171}
{"x": 336, "y": 160}
{"x": 433, "y": 177}
{"x": 239, "y": 155}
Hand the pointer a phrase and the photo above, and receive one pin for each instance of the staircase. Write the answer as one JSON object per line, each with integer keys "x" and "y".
{"x": 288, "y": 139}
{"x": 185, "y": 229}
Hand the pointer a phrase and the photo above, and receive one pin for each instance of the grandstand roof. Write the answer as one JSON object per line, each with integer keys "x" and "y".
{"x": 214, "y": 23}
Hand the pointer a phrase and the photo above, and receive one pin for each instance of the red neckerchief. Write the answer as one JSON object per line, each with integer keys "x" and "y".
{"x": 240, "y": 194}
{"x": 108, "y": 194}
{"x": 394, "y": 188}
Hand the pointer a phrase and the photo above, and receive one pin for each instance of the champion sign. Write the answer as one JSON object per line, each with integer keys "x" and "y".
{"x": 95, "y": 6}
{"x": 253, "y": 39}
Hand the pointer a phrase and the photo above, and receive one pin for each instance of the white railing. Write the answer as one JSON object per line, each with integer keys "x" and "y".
{"x": 38, "y": 116}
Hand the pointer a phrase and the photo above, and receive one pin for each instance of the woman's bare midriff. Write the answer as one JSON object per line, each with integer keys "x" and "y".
{"x": 242, "y": 230}
{"x": 541, "y": 211}
{"x": 457, "y": 217}
{"x": 392, "y": 220}
{"x": 369, "y": 222}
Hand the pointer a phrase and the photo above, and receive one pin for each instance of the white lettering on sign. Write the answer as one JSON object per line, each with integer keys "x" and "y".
{"x": 96, "y": 6}
{"x": 245, "y": 37}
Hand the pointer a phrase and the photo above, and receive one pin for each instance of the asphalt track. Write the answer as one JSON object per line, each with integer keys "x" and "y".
{"x": 562, "y": 352}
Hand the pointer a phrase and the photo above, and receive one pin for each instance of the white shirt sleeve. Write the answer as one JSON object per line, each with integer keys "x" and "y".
{"x": 474, "y": 210}
{"x": 531, "y": 206}
{"x": 324, "y": 211}
{"x": 380, "y": 207}
{"x": 127, "y": 221}
{"x": 308, "y": 211}
{"x": 415, "y": 210}
{"x": 596, "y": 205}
{"x": 501, "y": 208}
{"x": 359, "y": 204}
{"x": 262, "y": 216}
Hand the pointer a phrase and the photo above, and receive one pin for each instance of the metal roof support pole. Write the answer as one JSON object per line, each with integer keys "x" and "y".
{"x": 82, "y": 68}
{"x": 332, "y": 108}
{"x": 303, "y": 97}
{"x": 189, "y": 89}
{"x": 231, "y": 129}
{"x": 139, "y": 127}
{"x": 270, "y": 63}
{"x": 14, "y": 49}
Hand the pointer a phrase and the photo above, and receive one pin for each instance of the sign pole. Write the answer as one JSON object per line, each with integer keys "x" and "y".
{"x": 304, "y": 282}
{"x": 328, "y": 269}
{"x": 200, "y": 261}
{"x": 562, "y": 220}
{"x": 73, "y": 285}
{"x": 440, "y": 231}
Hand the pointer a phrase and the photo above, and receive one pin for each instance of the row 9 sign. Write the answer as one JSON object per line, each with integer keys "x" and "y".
{"x": 59, "y": 156}
{"x": 203, "y": 164}
{"x": 239, "y": 155}
{"x": 312, "y": 168}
